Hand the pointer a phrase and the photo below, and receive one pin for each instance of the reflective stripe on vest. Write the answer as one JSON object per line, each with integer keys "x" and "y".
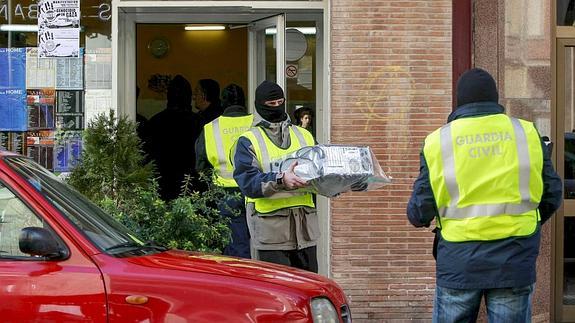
{"x": 471, "y": 208}
{"x": 220, "y": 135}
{"x": 266, "y": 151}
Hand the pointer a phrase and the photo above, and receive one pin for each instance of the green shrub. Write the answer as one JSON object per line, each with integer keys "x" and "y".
{"x": 114, "y": 175}
{"x": 112, "y": 164}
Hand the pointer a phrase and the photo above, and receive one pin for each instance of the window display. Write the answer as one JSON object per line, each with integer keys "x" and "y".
{"x": 55, "y": 53}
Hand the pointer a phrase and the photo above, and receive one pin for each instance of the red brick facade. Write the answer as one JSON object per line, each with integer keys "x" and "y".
{"x": 391, "y": 68}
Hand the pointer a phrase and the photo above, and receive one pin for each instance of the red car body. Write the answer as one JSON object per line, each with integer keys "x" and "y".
{"x": 91, "y": 285}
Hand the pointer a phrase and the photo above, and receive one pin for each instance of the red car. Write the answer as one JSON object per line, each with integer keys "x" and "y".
{"x": 62, "y": 259}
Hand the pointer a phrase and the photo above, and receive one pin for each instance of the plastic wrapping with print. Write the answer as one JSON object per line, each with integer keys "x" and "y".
{"x": 334, "y": 169}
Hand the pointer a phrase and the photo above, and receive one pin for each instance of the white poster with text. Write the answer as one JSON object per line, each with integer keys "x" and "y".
{"x": 58, "y": 28}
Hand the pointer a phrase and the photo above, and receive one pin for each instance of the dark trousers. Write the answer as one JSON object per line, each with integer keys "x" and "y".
{"x": 239, "y": 245}
{"x": 303, "y": 258}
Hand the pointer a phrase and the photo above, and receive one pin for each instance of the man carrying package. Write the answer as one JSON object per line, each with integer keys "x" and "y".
{"x": 283, "y": 222}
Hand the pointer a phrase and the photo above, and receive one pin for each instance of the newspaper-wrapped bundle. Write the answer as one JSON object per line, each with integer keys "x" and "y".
{"x": 334, "y": 169}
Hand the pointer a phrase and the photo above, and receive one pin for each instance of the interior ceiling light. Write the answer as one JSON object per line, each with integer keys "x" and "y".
{"x": 21, "y": 28}
{"x": 303, "y": 30}
{"x": 206, "y": 27}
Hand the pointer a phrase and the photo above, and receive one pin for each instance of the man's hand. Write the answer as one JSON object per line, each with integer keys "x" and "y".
{"x": 291, "y": 180}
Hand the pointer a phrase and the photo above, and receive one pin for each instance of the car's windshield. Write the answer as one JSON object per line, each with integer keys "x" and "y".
{"x": 106, "y": 233}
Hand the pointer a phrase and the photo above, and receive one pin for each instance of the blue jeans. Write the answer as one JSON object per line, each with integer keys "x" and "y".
{"x": 504, "y": 305}
{"x": 239, "y": 245}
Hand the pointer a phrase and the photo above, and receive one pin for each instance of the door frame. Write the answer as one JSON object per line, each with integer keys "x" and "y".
{"x": 564, "y": 313}
{"x": 257, "y": 52}
{"x": 124, "y": 19}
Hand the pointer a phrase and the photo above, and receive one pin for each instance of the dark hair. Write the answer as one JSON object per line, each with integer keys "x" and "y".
{"x": 211, "y": 90}
{"x": 300, "y": 112}
{"x": 179, "y": 93}
{"x": 307, "y": 111}
{"x": 233, "y": 94}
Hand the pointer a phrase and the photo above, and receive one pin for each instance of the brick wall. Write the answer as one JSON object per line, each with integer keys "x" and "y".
{"x": 391, "y": 86}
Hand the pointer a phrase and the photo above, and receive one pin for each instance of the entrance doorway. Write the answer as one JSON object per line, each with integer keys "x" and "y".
{"x": 251, "y": 48}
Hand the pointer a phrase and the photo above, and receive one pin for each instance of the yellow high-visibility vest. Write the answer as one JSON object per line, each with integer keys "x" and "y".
{"x": 486, "y": 177}
{"x": 220, "y": 135}
{"x": 266, "y": 151}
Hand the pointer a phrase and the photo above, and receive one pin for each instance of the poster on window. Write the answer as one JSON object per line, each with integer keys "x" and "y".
{"x": 13, "y": 68}
{"x": 69, "y": 102}
{"x": 13, "y": 114}
{"x": 67, "y": 150}
{"x": 97, "y": 102}
{"x": 13, "y": 89}
{"x": 40, "y": 73}
{"x": 40, "y": 147}
{"x": 70, "y": 121}
{"x": 41, "y": 109}
{"x": 98, "y": 68}
{"x": 12, "y": 141}
{"x": 4, "y": 140}
{"x": 58, "y": 28}
{"x": 63, "y": 42}
{"x": 70, "y": 72}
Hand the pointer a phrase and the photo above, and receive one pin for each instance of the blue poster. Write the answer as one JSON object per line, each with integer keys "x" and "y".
{"x": 13, "y": 112}
{"x": 67, "y": 150}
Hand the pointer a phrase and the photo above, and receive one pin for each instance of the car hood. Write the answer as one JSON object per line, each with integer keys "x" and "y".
{"x": 240, "y": 268}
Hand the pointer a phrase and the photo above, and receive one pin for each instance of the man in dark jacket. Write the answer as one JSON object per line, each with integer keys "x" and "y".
{"x": 163, "y": 135}
{"x": 489, "y": 182}
{"x": 207, "y": 100}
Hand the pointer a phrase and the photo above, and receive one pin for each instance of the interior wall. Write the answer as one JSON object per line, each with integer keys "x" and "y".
{"x": 219, "y": 55}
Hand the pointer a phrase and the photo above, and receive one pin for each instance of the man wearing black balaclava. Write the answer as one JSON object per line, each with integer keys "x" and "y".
{"x": 283, "y": 222}
{"x": 488, "y": 181}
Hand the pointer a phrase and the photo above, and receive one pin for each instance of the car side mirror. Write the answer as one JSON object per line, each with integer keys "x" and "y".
{"x": 40, "y": 242}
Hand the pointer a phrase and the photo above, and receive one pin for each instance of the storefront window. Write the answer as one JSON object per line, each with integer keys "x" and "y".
{"x": 45, "y": 103}
{"x": 569, "y": 262}
{"x": 566, "y": 105}
{"x": 567, "y": 102}
{"x": 300, "y": 70}
{"x": 565, "y": 12}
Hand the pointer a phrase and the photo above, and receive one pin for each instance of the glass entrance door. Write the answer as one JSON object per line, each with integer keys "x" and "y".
{"x": 565, "y": 229}
{"x": 266, "y": 53}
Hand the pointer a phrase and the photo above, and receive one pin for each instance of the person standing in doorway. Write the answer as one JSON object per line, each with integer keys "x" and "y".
{"x": 140, "y": 119}
{"x": 304, "y": 118}
{"x": 213, "y": 152}
{"x": 164, "y": 132}
{"x": 488, "y": 181}
{"x": 207, "y": 100}
{"x": 282, "y": 221}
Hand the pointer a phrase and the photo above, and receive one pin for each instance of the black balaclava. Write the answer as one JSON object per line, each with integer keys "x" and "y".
{"x": 476, "y": 85}
{"x": 268, "y": 91}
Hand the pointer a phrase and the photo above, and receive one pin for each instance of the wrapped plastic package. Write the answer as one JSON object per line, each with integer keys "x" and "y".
{"x": 334, "y": 169}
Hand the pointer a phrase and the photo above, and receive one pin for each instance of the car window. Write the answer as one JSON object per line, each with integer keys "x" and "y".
{"x": 105, "y": 232}
{"x": 14, "y": 216}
